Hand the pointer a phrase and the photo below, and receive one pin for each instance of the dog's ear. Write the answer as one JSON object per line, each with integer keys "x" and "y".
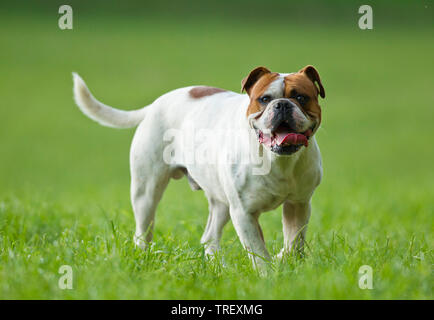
{"x": 254, "y": 75}
{"x": 313, "y": 75}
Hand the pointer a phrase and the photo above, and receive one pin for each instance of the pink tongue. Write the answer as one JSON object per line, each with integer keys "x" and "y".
{"x": 290, "y": 138}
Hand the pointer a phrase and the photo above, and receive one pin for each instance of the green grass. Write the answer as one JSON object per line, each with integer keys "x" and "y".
{"x": 64, "y": 180}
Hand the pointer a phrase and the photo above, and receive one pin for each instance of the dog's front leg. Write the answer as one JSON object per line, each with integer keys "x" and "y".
{"x": 295, "y": 217}
{"x": 249, "y": 231}
{"x": 218, "y": 217}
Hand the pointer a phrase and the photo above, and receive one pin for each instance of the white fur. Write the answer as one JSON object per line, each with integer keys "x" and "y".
{"x": 232, "y": 190}
{"x": 105, "y": 115}
{"x": 276, "y": 88}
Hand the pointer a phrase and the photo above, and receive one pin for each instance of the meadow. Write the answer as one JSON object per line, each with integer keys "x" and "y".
{"x": 64, "y": 180}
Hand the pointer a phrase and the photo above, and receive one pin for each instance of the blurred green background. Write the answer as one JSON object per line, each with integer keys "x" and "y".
{"x": 64, "y": 180}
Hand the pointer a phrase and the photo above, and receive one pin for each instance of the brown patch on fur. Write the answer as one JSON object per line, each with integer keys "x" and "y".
{"x": 313, "y": 75}
{"x": 301, "y": 84}
{"x": 203, "y": 91}
{"x": 258, "y": 89}
{"x": 254, "y": 75}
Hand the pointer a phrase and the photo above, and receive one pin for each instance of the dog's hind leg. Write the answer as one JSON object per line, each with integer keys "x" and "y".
{"x": 149, "y": 179}
{"x": 217, "y": 219}
{"x": 145, "y": 196}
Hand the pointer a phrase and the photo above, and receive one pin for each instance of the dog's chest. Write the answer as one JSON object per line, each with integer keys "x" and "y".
{"x": 267, "y": 192}
{"x": 264, "y": 193}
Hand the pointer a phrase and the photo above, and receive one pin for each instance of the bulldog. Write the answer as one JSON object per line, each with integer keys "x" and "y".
{"x": 274, "y": 123}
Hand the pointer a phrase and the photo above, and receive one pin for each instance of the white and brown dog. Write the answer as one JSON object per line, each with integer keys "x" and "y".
{"x": 281, "y": 113}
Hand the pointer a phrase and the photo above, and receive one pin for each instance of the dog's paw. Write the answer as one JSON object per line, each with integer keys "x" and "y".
{"x": 213, "y": 255}
{"x": 284, "y": 255}
{"x": 280, "y": 256}
{"x": 140, "y": 242}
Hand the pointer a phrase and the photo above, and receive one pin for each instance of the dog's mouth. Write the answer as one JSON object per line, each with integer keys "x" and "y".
{"x": 284, "y": 140}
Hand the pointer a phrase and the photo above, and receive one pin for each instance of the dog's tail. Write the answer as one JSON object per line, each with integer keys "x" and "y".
{"x": 101, "y": 113}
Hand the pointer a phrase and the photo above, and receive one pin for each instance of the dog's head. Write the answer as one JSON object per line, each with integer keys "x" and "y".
{"x": 284, "y": 109}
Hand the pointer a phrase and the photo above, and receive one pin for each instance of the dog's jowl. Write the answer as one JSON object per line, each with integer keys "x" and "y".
{"x": 216, "y": 138}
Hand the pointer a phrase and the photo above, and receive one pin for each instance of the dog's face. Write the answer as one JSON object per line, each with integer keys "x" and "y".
{"x": 284, "y": 109}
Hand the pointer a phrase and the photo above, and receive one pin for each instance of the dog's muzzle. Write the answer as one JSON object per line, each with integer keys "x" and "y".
{"x": 283, "y": 137}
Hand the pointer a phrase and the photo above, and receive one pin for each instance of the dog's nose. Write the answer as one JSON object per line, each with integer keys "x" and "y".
{"x": 282, "y": 105}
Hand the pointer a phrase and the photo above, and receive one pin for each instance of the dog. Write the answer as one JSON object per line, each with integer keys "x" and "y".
{"x": 274, "y": 123}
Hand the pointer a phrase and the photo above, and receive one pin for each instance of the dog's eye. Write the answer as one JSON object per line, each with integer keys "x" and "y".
{"x": 265, "y": 99}
{"x": 301, "y": 99}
